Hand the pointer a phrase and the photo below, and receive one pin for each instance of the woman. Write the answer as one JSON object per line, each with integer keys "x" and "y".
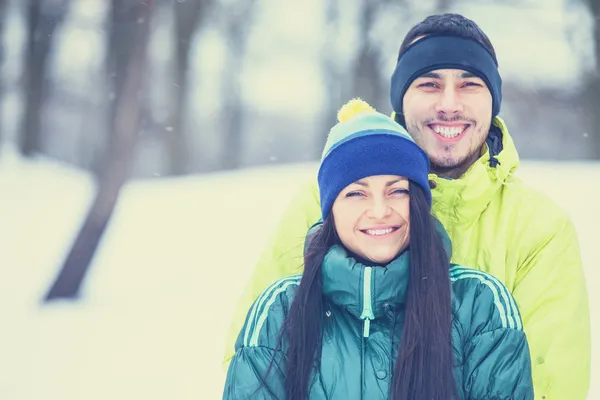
{"x": 379, "y": 311}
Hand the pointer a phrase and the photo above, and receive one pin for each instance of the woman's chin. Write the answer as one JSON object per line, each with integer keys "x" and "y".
{"x": 382, "y": 258}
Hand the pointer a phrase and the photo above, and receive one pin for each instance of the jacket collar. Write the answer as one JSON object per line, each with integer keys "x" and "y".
{"x": 361, "y": 288}
{"x": 346, "y": 283}
{"x": 459, "y": 202}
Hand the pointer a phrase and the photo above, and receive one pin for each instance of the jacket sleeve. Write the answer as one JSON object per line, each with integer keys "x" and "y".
{"x": 282, "y": 257}
{"x": 497, "y": 363}
{"x": 498, "y": 366}
{"x": 247, "y": 376}
{"x": 257, "y": 368}
{"x": 551, "y": 292}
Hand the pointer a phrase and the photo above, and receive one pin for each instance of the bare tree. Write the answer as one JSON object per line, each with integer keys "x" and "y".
{"x": 43, "y": 17}
{"x": 3, "y": 9}
{"x": 333, "y": 76}
{"x": 127, "y": 60}
{"x": 593, "y": 94}
{"x": 2, "y": 18}
{"x": 365, "y": 73}
{"x": 443, "y": 6}
{"x": 368, "y": 81}
{"x": 237, "y": 24}
{"x": 188, "y": 15}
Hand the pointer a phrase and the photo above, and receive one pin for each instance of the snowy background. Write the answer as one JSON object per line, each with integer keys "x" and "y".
{"x": 155, "y": 305}
{"x": 157, "y": 302}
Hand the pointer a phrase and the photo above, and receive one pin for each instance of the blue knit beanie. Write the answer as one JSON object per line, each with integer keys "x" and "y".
{"x": 367, "y": 143}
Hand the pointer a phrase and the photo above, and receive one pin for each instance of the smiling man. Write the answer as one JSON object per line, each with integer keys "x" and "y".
{"x": 450, "y": 115}
{"x": 447, "y": 91}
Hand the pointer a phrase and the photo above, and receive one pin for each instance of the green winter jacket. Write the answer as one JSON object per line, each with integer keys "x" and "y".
{"x": 498, "y": 225}
{"x": 364, "y": 313}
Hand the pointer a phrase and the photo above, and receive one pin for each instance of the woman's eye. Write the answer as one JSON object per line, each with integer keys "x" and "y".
{"x": 400, "y": 192}
{"x": 353, "y": 194}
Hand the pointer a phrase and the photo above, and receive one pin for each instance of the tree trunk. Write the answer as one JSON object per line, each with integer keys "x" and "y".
{"x": 368, "y": 81}
{"x": 443, "y": 6}
{"x": 127, "y": 61}
{"x": 332, "y": 75}
{"x": 594, "y": 87}
{"x": 232, "y": 113}
{"x": 187, "y": 16}
{"x": 41, "y": 24}
{"x": 3, "y": 10}
{"x": 232, "y": 109}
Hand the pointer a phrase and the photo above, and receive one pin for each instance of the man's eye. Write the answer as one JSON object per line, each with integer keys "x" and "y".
{"x": 472, "y": 84}
{"x": 428, "y": 84}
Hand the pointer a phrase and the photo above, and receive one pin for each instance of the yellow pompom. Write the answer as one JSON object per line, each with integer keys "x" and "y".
{"x": 353, "y": 107}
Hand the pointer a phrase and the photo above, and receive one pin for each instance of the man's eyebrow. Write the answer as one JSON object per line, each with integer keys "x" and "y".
{"x": 433, "y": 75}
{"x": 467, "y": 74}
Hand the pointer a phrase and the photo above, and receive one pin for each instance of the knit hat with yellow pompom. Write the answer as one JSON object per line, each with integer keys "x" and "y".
{"x": 365, "y": 143}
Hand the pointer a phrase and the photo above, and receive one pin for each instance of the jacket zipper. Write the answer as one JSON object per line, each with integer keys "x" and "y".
{"x": 367, "y": 313}
{"x": 366, "y": 316}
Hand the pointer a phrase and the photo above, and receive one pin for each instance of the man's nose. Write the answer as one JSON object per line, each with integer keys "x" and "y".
{"x": 450, "y": 101}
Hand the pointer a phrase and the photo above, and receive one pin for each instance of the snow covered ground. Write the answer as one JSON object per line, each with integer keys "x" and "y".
{"x": 156, "y": 304}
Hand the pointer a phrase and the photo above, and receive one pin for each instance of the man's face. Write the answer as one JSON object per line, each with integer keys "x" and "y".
{"x": 448, "y": 113}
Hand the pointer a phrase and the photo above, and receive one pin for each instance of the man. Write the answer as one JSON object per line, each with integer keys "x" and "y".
{"x": 446, "y": 90}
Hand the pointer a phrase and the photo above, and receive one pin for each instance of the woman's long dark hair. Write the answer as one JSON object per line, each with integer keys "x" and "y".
{"x": 424, "y": 367}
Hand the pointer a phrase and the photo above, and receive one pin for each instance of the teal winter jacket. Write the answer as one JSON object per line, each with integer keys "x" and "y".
{"x": 363, "y": 324}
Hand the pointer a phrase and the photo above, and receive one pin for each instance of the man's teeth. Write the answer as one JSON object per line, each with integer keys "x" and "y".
{"x": 377, "y": 232}
{"x": 448, "y": 132}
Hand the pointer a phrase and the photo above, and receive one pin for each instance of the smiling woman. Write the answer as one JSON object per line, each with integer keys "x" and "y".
{"x": 379, "y": 311}
{"x": 372, "y": 217}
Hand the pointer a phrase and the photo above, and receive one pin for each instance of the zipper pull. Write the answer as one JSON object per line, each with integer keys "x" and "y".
{"x": 367, "y": 313}
{"x": 366, "y": 327}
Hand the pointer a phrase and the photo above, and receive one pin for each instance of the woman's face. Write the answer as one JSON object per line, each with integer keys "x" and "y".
{"x": 372, "y": 217}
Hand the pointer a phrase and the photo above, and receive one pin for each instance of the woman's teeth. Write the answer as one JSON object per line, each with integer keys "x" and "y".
{"x": 448, "y": 132}
{"x": 378, "y": 232}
